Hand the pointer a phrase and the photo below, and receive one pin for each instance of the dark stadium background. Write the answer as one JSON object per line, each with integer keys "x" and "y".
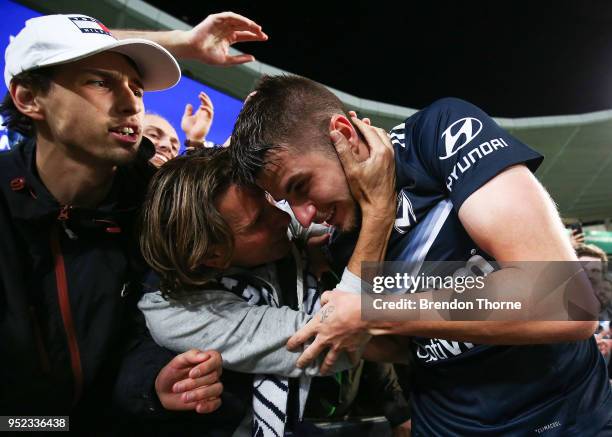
{"x": 512, "y": 58}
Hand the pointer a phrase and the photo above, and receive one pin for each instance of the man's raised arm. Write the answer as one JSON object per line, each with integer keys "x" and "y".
{"x": 208, "y": 42}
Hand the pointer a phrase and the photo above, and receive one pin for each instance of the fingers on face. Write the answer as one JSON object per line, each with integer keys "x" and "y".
{"x": 384, "y": 138}
{"x": 339, "y": 140}
{"x": 353, "y": 114}
{"x": 343, "y": 149}
{"x": 359, "y": 123}
{"x": 370, "y": 133}
{"x": 381, "y": 144}
{"x": 374, "y": 136}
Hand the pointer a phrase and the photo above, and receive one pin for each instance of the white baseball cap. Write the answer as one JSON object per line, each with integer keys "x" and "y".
{"x": 59, "y": 39}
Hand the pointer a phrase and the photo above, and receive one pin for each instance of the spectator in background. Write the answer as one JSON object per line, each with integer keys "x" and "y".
{"x": 163, "y": 136}
{"x": 165, "y": 139}
{"x": 576, "y": 237}
{"x": 196, "y": 125}
{"x": 594, "y": 260}
{"x": 603, "y": 344}
{"x": 595, "y": 263}
{"x": 604, "y": 295}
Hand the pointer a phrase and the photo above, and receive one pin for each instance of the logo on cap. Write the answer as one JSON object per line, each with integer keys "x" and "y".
{"x": 89, "y": 25}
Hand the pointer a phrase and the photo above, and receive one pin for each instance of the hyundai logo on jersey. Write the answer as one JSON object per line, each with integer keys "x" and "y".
{"x": 468, "y": 129}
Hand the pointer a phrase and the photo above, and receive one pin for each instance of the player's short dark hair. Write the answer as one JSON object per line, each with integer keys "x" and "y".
{"x": 38, "y": 80}
{"x": 281, "y": 109}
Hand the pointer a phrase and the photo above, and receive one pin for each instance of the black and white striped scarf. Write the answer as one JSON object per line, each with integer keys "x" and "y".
{"x": 271, "y": 392}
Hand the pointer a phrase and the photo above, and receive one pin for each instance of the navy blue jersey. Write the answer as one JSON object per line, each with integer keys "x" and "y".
{"x": 444, "y": 153}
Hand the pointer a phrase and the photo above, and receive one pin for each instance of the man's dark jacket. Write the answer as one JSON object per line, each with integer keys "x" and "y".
{"x": 70, "y": 279}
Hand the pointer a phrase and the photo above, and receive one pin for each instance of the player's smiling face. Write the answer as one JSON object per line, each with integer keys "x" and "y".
{"x": 314, "y": 185}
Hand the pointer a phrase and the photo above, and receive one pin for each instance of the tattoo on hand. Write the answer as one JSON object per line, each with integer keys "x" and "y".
{"x": 325, "y": 312}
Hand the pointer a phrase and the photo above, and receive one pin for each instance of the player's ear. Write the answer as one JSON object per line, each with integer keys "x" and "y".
{"x": 342, "y": 124}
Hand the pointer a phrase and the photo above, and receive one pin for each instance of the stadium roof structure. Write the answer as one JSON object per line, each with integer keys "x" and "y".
{"x": 577, "y": 170}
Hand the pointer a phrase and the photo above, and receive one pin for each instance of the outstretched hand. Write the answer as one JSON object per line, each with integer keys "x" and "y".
{"x": 196, "y": 125}
{"x": 210, "y": 40}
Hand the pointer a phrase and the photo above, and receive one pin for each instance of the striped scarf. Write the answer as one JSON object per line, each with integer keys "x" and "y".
{"x": 271, "y": 392}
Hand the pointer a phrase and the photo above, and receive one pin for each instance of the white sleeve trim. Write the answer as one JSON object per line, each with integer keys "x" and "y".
{"x": 352, "y": 283}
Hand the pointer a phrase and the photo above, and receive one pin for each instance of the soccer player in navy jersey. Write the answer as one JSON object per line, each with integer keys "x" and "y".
{"x": 465, "y": 190}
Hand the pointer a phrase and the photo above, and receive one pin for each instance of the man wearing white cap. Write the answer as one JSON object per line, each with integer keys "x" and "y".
{"x": 69, "y": 197}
